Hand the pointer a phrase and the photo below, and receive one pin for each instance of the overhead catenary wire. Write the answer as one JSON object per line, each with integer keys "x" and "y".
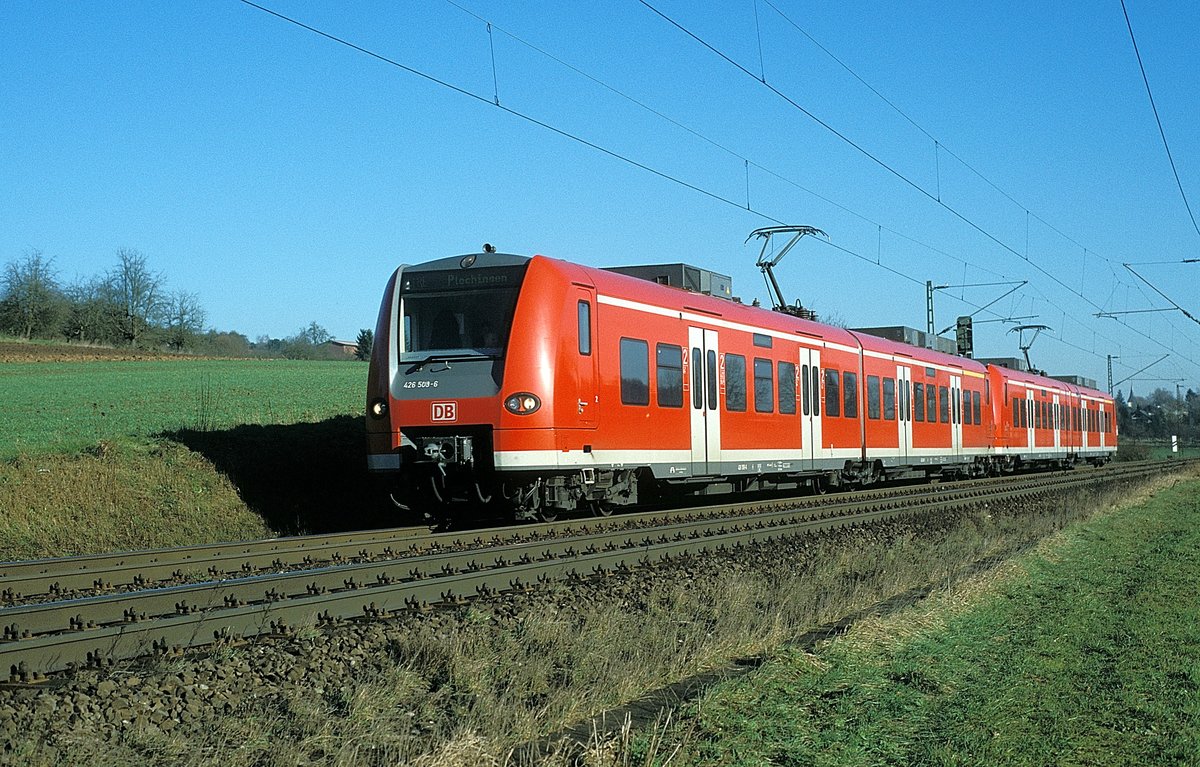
{"x": 747, "y": 163}
{"x": 866, "y": 153}
{"x": 893, "y": 171}
{"x": 585, "y": 142}
{"x": 742, "y": 158}
{"x": 1158, "y": 120}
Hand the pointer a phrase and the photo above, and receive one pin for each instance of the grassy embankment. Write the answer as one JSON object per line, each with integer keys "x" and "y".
{"x": 117, "y": 454}
{"x": 1086, "y": 652}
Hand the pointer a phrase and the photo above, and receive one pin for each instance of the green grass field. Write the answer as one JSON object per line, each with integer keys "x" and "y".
{"x": 1088, "y": 653}
{"x": 106, "y": 455}
{"x": 67, "y": 406}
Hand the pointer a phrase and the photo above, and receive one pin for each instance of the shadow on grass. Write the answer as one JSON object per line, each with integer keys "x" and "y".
{"x": 300, "y": 478}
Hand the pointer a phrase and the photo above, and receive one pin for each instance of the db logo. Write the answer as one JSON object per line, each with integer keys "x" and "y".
{"x": 443, "y": 411}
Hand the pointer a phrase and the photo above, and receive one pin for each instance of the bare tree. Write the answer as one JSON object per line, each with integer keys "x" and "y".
{"x": 31, "y": 303}
{"x": 92, "y": 314}
{"x": 138, "y": 293}
{"x": 184, "y": 318}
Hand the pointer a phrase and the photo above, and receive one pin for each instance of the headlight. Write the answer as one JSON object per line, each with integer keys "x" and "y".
{"x": 379, "y": 408}
{"x": 522, "y": 403}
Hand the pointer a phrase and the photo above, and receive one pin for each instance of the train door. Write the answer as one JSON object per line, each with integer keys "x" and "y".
{"x": 706, "y": 418}
{"x": 585, "y": 370}
{"x": 1083, "y": 423}
{"x": 1056, "y": 422}
{"x": 810, "y": 404}
{"x": 956, "y": 415}
{"x": 904, "y": 409}
{"x": 1101, "y": 431}
{"x": 1031, "y": 424}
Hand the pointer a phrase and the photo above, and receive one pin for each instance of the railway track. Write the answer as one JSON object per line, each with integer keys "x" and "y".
{"x": 272, "y": 587}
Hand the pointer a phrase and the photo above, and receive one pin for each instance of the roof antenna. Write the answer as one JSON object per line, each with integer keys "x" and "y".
{"x": 766, "y": 265}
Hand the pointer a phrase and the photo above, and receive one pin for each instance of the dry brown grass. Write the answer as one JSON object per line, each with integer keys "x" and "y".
{"x": 116, "y": 496}
{"x": 471, "y": 687}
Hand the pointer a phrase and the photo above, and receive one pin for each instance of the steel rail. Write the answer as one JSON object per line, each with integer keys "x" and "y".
{"x": 99, "y": 573}
{"x": 92, "y": 631}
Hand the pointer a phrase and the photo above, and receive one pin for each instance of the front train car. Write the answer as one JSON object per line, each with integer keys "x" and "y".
{"x": 472, "y": 384}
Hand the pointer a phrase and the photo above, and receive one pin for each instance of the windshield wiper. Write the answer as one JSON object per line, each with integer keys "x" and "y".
{"x": 448, "y": 358}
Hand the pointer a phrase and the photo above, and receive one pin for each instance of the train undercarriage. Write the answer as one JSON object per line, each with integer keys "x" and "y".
{"x": 446, "y": 473}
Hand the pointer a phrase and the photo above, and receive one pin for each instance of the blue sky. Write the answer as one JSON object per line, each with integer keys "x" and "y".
{"x": 282, "y": 176}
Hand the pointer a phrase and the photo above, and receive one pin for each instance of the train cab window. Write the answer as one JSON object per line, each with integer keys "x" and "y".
{"x": 833, "y": 399}
{"x": 635, "y": 372}
{"x": 735, "y": 383}
{"x": 943, "y": 404}
{"x": 850, "y": 394}
{"x": 787, "y": 389}
{"x": 975, "y": 408}
{"x": 585, "y": 328}
{"x": 668, "y": 362}
{"x": 466, "y": 313}
{"x": 919, "y": 402}
{"x": 764, "y": 386}
{"x": 805, "y": 389}
{"x": 889, "y": 399}
{"x": 873, "y": 397}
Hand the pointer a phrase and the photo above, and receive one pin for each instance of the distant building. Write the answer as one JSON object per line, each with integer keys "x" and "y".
{"x": 349, "y": 348}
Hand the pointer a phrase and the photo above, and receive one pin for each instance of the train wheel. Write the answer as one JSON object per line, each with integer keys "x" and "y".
{"x": 547, "y": 515}
{"x": 601, "y": 509}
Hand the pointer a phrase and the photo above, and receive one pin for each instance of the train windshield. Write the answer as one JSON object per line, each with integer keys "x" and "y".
{"x": 458, "y": 312}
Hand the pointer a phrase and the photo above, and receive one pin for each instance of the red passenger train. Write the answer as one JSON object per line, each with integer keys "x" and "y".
{"x": 546, "y": 386}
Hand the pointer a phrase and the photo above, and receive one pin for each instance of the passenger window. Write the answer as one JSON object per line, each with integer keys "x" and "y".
{"x": 669, "y": 373}
{"x": 804, "y": 389}
{"x": 931, "y": 403}
{"x": 975, "y": 408}
{"x": 585, "y": 328}
{"x": 889, "y": 399}
{"x": 635, "y": 372}
{"x": 711, "y": 370}
{"x": 787, "y": 389}
{"x": 850, "y": 394}
{"x": 833, "y": 402}
{"x": 919, "y": 402}
{"x": 764, "y": 386}
{"x": 816, "y": 390}
{"x": 966, "y": 407}
{"x": 943, "y": 404}
{"x": 873, "y": 397}
{"x": 735, "y": 383}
